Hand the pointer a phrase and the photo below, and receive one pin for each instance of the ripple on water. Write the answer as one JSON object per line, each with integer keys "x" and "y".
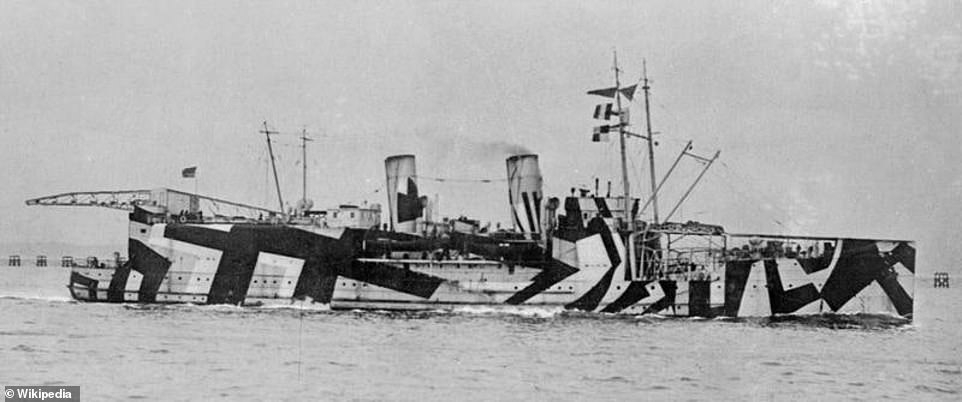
{"x": 477, "y": 350}
{"x": 605, "y": 379}
{"x": 935, "y": 390}
{"x": 24, "y": 348}
{"x": 24, "y": 333}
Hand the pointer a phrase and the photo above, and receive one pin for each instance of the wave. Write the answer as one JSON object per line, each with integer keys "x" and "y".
{"x": 835, "y": 321}
{"x": 522, "y": 311}
{"x": 52, "y": 299}
{"x": 299, "y": 306}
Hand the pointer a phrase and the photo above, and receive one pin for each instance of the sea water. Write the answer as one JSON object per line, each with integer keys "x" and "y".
{"x": 130, "y": 351}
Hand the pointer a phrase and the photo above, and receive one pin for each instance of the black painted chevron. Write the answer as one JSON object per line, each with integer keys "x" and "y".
{"x": 736, "y": 278}
{"x": 858, "y": 265}
{"x": 555, "y": 271}
{"x": 394, "y": 278}
{"x": 786, "y": 301}
{"x": 590, "y": 300}
{"x": 325, "y": 258}
{"x": 671, "y": 290}
{"x": 90, "y": 283}
{"x": 905, "y": 254}
{"x": 118, "y": 283}
{"x": 151, "y": 265}
{"x": 409, "y": 205}
{"x": 634, "y": 293}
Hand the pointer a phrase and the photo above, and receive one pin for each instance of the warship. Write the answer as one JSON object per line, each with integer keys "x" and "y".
{"x": 584, "y": 251}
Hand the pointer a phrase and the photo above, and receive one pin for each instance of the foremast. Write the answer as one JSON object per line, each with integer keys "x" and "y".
{"x": 605, "y": 112}
{"x": 621, "y": 139}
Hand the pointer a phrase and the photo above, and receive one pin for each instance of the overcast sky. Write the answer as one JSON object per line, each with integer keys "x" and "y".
{"x": 832, "y": 117}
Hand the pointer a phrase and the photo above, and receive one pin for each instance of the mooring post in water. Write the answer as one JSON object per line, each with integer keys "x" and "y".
{"x": 941, "y": 280}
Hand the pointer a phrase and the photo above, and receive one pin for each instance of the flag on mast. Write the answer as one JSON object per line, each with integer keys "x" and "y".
{"x": 601, "y": 134}
{"x": 189, "y": 173}
{"x": 604, "y": 111}
{"x": 627, "y": 92}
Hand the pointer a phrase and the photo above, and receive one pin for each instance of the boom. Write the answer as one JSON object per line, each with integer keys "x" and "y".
{"x": 173, "y": 200}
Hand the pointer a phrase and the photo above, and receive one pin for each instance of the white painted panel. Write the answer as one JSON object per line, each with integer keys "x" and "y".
{"x": 349, "y": 289}
{"x": 275, "y": 276}
{"x": 593, "y": 263}
{"x": 223, "y": 227}
{"x": 133, "y": 281}
{"x": 717, "y": 295}
{"x": 871, "y": 300}
{"x": 755, "y": 301}
{"x": 886, "y": 246}
{"x": 592, "y": 254}
{"x": 791, "y": 274}
{"x": 815, "y": 307}
{"x": 564, "y": 251}
{"x": 192, "y": 267}
{"x": 334, "y": 233}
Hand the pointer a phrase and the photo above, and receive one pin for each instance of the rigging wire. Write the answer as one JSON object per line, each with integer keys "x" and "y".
{"x": 460, "y": 180}
{"x": 759, "y": 200}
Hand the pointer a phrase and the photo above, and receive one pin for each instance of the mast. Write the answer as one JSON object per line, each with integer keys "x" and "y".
{"x": 624, "y": 158}
{"x": 304, "y": 140}
{"x": 270, "y": 149}
{"x": 651, "y": 147}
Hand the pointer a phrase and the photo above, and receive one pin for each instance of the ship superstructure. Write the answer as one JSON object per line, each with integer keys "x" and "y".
{"x": 584, "y": 252}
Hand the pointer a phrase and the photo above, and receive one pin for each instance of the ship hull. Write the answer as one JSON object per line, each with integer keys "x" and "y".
{"x": 250, "y": 264}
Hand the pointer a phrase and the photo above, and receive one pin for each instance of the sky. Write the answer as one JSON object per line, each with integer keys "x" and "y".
{"x": 832, "y": 117}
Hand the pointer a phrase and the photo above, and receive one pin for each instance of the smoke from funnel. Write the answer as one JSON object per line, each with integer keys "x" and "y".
{"x": 404, "y": 204}
{"x": 524, "y": 192}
